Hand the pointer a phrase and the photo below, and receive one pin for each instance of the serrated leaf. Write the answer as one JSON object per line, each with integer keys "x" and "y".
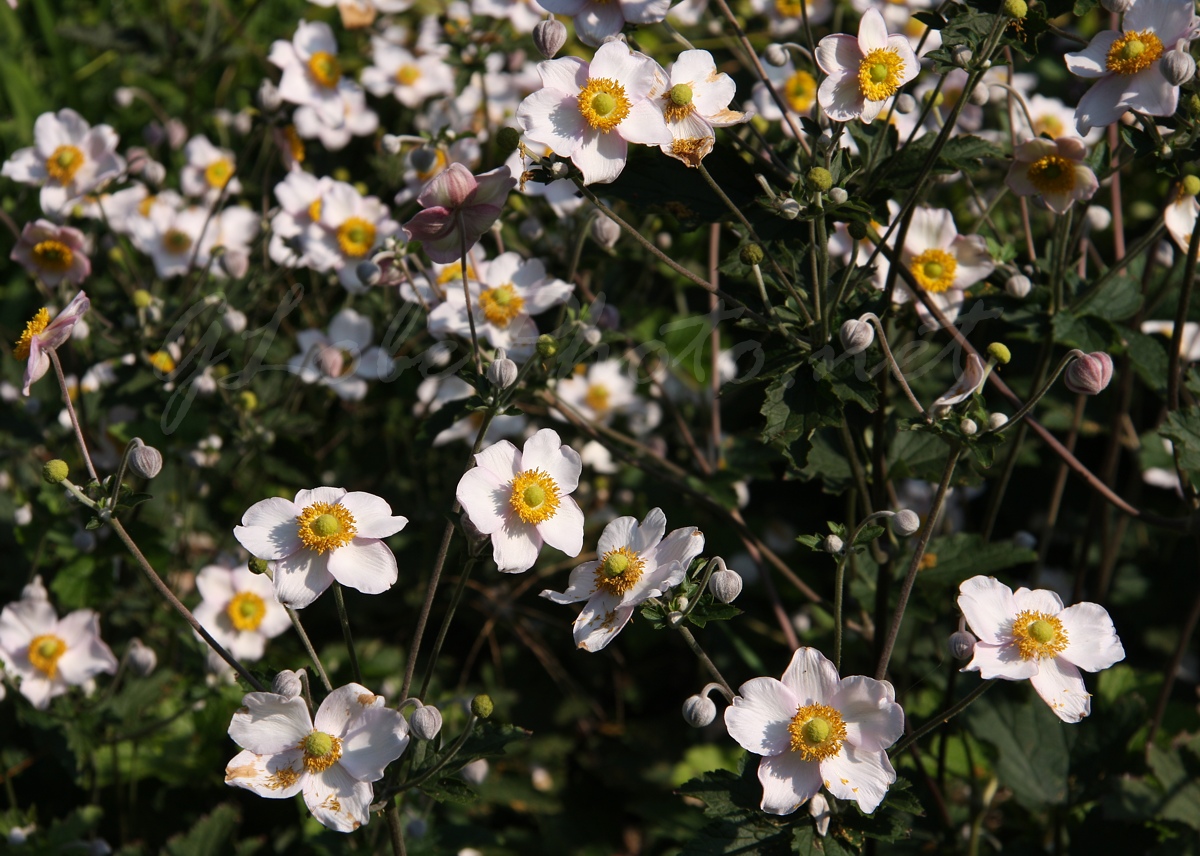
{"x": 1032, "y": 756}
{"x": 209, "y": 837}
{"x": 714, "y": 611}
{"x": 1117, "y": 299}
{"x": 806, "y": 842}
{"x": 1182, "y": 427}
{"x": 453, "y": 791}
{"x": 962, "y": 555}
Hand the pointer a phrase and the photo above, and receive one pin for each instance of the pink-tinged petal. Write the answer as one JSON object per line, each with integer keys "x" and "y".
{"x": 268, "y": 723}
{"x": 974, "y": 261}
{"x": 930, "y": 228}
{"x": 580, "y": 585}
{"x": 989, "y": 608}
{"x": 616, "y": 61}
{"x": 1092, "y": 61}
{"x": 645, "y": 125}
{"x": 1092, "y": 642}
{"x": 38, "y": 690}
{"x": 269, "y": 529}
{"x": 600, "y": 621}
{"x": 563, "y": 7}
{"x": 301, "y": 578}
{"x": 25, "y": 167}
{"x": 312, "y": 38}
{"x": 331, "y": 495}
{"x": 336, "y": 800}
{"x": 552, "y": 118}
{"x": 840, "y": 98}
{"x": 1101, "y": 105}
{"x": 860, "y": 775}
{"x": 597, "y": 21}
{"x": 1171, "y": 19}
{"x": 1069, "y": 147}
{"x": 515, "y": 546}
{"x": 365, "y": 564}
{"x": 600, "y": 157}
{"x": 871, "y": 110}
{"x": 1018, "y": 179}
{"x": 564, "y": 531}
{"x": 485, "y": 498}
{"x": 811, "y": 677}
{"x": 903, "y": 49}
{"x": 1150, "y": 93}
{"x": 86, "y": 656}
{"x": 76, "y": 628}
{"x": 872, "y": 32}
{"x": 1037, "y": 600}
{"x": 1032, "y": 150}
{"x": 545, "y": 451}
{"x": 645, "y": 11}
{"x": 1061, "y": 686}
{"x": 873, "y": 719}
{"x": 375, "y": 739}
{"x": 342, "y": 706}
{"x": 451, "y": 188}
{"x": 651, "y": 531}
{"x": 59, "y": 330}
{"x": 261, "y": 773}
{"x": 24, "y": 620}
{"x": 372, "y": 515}
{"x": 494, "y": 186}
{"x": 759, "y": 716}
{"x": 839, "y": 55}
{"x": 788, "y": 782}
{"x": 1001, "y": 661}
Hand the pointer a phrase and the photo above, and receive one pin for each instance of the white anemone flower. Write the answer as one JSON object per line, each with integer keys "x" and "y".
{"x": 1029, "y": 635}
{"x": 312, "y": 72}
{"x": 239, "y": 609}
{"x": 48, "y": 654}
{"x": 356, "y": 119}
{"x": 943, "y": 262}
{"x": 864, "y": 72}
{"x": 785, "y": 16}
{"x": 299, "y": 195}
{"x": 1180, "y": 219}
{"x": 349, "y": 230}
{"x": 209, "y": 170}
{"x": 599, "y": 393}
{"x": 814, "y": 727}
{"x": 596, "y": 20}
{"x": 1189, "y": 341}
{"x": 324, "y": 534}
{"x": 332, "y": 758}
{"x": 522, "y": 498}
{"x": 1053, "y": 169}
{"x": 174, "y": 237}
{"x": 636, "y": 563}
{"x": 344, "y": 359}
{"x": 411, "y": 79}
{"x": 695, "y": 101}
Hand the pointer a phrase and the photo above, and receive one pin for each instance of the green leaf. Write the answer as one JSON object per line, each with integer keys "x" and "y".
{"x": 1117, "y": 299}
{"x": 1148, "y": 356}
{"x": 739, "y": 826}
{"x": 965, "y": 554}
{"x": 1179, "y": 774}
{"x": 711, "y": 609}
{"x": 1031, "y": 748}
{"x": 806, "y": 842}
{"x": 1087, "y": 333}
{"x": 209, "y": 837}
{"x": 1182, "y": 427}
{"x": 797, "y": 405}
{"x": 453, "y": 791}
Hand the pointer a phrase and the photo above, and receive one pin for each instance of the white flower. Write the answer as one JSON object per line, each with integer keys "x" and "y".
{"x": 343, "y": 360}
{"x": 1028, "y": 634}
{"x": 943, "y": 262}
{"x": 1180, "y": 219}
{"x": 299, "y": 196}
{"x": 864, "y": 72}
{"x": 590, "y": 113}
{"x": 595, "y": 20}
{"x": 522, "y": 498}
{"x": 437, "y": 391}
{"x": 1054, "y": 170}
{"x": 356, "y": 119}
{"x": 47, "y": 653}
{"x": 635, "y": 563}
{"x": 175, "y": 238}
{"x": 696, "y": 100}
{"x": 209, "y": 170}
{"x": 324, "y": 534}
{"x": 523, "y": 15}
{"x": 786, "y": 17}
{"x": 605, "y": 390}
{"x": 814, "y": 727}
{"x": 412, "y": 80}
{"x": 349, "y": 229}
{"x": 796, "y": 87}
{"x": 311, "y": 70}
{"x": 239, "y": 609}
{"x": 1189, "y": 342}
{"x": 332, "y": 759}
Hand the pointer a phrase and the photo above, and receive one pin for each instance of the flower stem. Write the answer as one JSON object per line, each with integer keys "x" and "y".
{"x": 703, "y": 658}
{"x": 344, "y": 619}
{"x": 441, "y": 637}
{"x": 308, "y": 646}
{"x": 1181, "y": 314}
{"x": 62, "y": 383}
{"x": 942, "y": 718}
{"x": 462, "y": 231}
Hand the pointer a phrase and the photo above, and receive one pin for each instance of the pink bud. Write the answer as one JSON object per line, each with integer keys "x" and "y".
{"x": 1089, "y": 374}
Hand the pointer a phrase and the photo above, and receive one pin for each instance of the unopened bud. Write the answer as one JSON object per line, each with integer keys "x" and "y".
{"x": 968, "y": 426}
{"x": 482, "y": 706}
{"x": 1177, "y": 67}
{"x": 257, "y": 565}
{"x": 819, "y": 179}
{"x": 961, "y": 54}
{"x": 1099, "y": 218}
{"x": 368, "y": 272}
{"x": 146, "y": 461}
{"x": 508, "y": 138}
{"x": 980, "y": 95}
{"x": 1191, "y": 185}
{"x": 143, "y": 299}
{"x": 502, "y": 373}
{"x": 905, "y": 522}
{"x": 856, "y": 229}
{"x": 288, "y": 683}
{"x": 1018, "y": 285}
{"x": 233, "y": 320}
{"x": 999, "y": 352}
{"x": 1015, "y": 8}
{"x": 1089, "y": 374}
{"x": 856, "y": 335}
{"x": 55, "y": 471}
{"x": 962, "y": 644}
{"x": 838, "y": 195}
{"x": 997, "y": 421}
{"x": 776, "y": 55}
{"x": 725, "y": 585}
{"x": 426, "y": 722}
{"x": 832, "y": 544}
{"x": 423, "y": 159}
{"x": 605, "y": 231}
{"x": 789, "y": 209}
{"x": 699, "y": 711}
{"x": 268, "y": 96}
{"x": 141, "y": 658}
{"x": 247, "y": 400}
{"x": 905, "y": 103}
{"x": 549, "y": 36}
{"x": 751, "y": 254}
{"x": 546, "y": 346}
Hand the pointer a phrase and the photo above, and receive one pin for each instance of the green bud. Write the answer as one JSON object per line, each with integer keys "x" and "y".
{"x": 1000, "y": 353}
{"x": 546, "y": 346}
{"x": 507, "y": 140}
{"x": 247, "y": 401}
{"x": 1015, "y": 8}
{"x": 857, "y": 229}
{"x": 1191, "y": 185}
{"x": 482, "y": 706}
{"x": 819, "y": 179}
{"x": 751, "y": 254}
{"x": 55, "y": 471}
{"x": 257, "y": 565}
{"x": 142, "y": 299}
{"x": 1193, "y": 105}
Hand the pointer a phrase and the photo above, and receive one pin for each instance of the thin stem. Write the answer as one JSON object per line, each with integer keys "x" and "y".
{"x": 308, "y": 646}
{"x": 839, "y": 579}
{"x": 442, "y": 631}
{"x": 344, "y": 619}
{"x": 395, "y": 828}
{"x": 899, "y": 375}
{"x": 1037, "y": 396}
{"x": 462, "y": 231}
{"x": 62, "y": 383}
{"x": 445, "y": 759}
{"x": 1056, "y": 492}
{"x": 703, "y": 658}
{"x": 1164, "y": 695}
{"x": 1181, "y": 314}
{"x": 942, "y": 718}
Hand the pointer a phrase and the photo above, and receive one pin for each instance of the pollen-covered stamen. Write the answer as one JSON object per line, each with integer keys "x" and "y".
{"x": 788, "y": 8}
{"x": 534, "y": 496}
{"x": 619, "y": 570}
{"x": 597, "y": 397}
{"x": 325, "y": 69}
{"x": 246, "y": 610}
{"x": 356, "y": 237}
{"x": 1052, "y": 174}
{"x": 325, "y": 526}
{"x": 879, "y": 74}
{"x": 1133, "y": 52}
{"x": 45, "y": 652}
{"x": 800, "y": 91}
{"x": 53, "y": 256}
{"x": 294, "y": 143}
{"x": 934, "y": 270}
{"x": 64, "y": 162}
{"x": 36, "y": 325}
{"x": 603, "y": 103}
{"x": 314, "y": 209}
{"x": 1048, "y": 126}
{"x": 501, "y": 304}
{"x": 1038, "y": 635}
{"x": 176, "y": 242}
{"x": 218, "y": 173}
{"x": 817, "y": 732}
{"x": 162, "y": 361}
{"x": 321, "y": 751}
{"x": 408, "y": 74}
{"x": 678, "y": 102}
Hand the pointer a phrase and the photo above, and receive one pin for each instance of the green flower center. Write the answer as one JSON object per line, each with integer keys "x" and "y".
{"x": 1041, "y": 631}
{"x": 325, "y": 525}
{"x": 616, "y": 564}
{"x": 817, "y": 731}
{"x": 603, "y": 103}
{"x": 534, "y": 495}
{"x": 681, "y": 94}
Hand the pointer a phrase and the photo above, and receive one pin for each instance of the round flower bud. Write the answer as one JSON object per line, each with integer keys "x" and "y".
{"x": 1177, "y": 67}
{"x": 233, "y": 320}
{"x": 838, "y": 195}
{"x": 392, "y": 144}
{"x": 146, "y": 461}
{"x": 1018, "y": 285}
{"x": 962, "y": 56}
{"x": 968, "y": 426}
{"x": 502, "y": 373}
{"x": 1015, "y": 8}
{"x": 776, "y": 55}
{"x": 751, "y": 254}
{"x": 605, "y": 231}
{"x": 257, "y": 565}
{"x": 999, "y": 352}
{"x": 546, "y": 346}
{"x": 789, "y": 209}
{"x": 368, "y": 272}
{"x": 997, "y": 421}
{"x": 857, "y": 229}
{"x": 549, "y": 36}
{"x": 482, "y": 706}
{"x": 856, "y": 335}
{"x": 508, "y": 138}
{"x": 268, "y": 96}
{"x": 84, "y": 540}
{"x": 1024, "y": 540}
{"x": 1118, "y": 7}
{"x": 699, "y": 711}
{"x": 143, "y": 299}
{"x": 962, "y": 644}
{"x": 819, "y": 179}
{"x": 1099, "y": 218}
{"x": 422, "y": 159}
{"x": 832, "y": 544}
{"x": 905, "y": 522}
{"x": 905, "y": 103}
{"x": 141, "y": 658}
{"x": 426, "y": 722}
{"x": 288, "y": 683}
{"x": 1089, "y": 374}
{"x": 725, "y": 585}
{"x": 1191, "y": 185}
{"x": 55, "y": 471}
{"x": 247, "y": 401}
{"x": 476, "y": 771}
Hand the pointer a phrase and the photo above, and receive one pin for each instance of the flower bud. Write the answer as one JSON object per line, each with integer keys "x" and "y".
{"x": 288, "y": 683}
{"x": 146, "y": 461}
{"x": 546, "y": 346}
{"x": 999, "y": 352}
{"x": 962, "y": 56}
{"x": 997, "y": 421}
{"x": 819, "y": 179}
{"x": 699, "y": 711}
{"x": 502, "y": 373}
{"x": 1191, "y": 185}
{"x": 605, "y": 231}
{"x": 482, "y": 706}
{"x": 725, "y": 585}
{"x": 1015, "y": 8}
{"x": 776, "y": 55}
{"x": 233, "y": 320}
{"x": 1177, "y": 67}
{"x": 269, "y": 98}
{"x": 368, "y": 272}
{"x": 422, "y": 159}
{"x": 856, "y": 335}
{"x": 426, "y": 722}
{"x": 905, "y": 103}
{"x": 592, "y": 336}
{"x": 549, "y": 36}
{"x": 508, "y": 138}
{"x": 141, "y": 658}
{"x": 962, "y": 644}
{"x": 968, "y": 426}
{"x": 838, "y": 195}
{"x": 124, "y": 96}
{"x": 1089, "y": 374}
{"x": 751, "y": 254}
{"x": 1117, "y": 7}
{"x": 1018, "y": 285}
{"x": 857, "y": 229}
{"x": 257, "y": 565}
{"x": 476, "y": 771}
{"x": 1099, "y": 218}
{"x": 832, "y": 544}
{"x": 143, "y": 299}
{"x": 905, "y": 522}
{"x": 55, "y": 471}
{"x": 789, "y": 209}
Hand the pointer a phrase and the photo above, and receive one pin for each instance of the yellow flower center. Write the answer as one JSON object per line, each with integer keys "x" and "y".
{"x": 440, "y": 162}
{"x": 1052, "y": 174}
{"x": 321, "y": 751}
{"x": 325, "y": 69}
{"x": 325, "y": 526}
{"x": 678, "y": 102}
{"x": 817, "y": 732}
{"x": 501, "y": 304}
{"x": 603, "y": 103}
{"x": 934, "y": 270}
{"x": 53, "y": 256}
{"x": 879, "y": 74}
{"x": 1048, "y": 126}
{"x": 1038, "y": 635}
{"x": 45, "y": 652}
{"x": 218, "y": 173}
{"x": 1134, "y": 52}
{"x": 39, "y": 323}
{"x": 356, "y": 237}
{"x": 800, "y": 91}
{"x": 314, "y": 209}
{"x": 64, "y": 163}
{"x": 453, "y": 273}
{"x": 162, "y": 361}
{"x": 534, "y": 496}
{"x": 246, "y": 610}
{"x": 619, "y": 570}
{"x": 295, "y": 144}
{"x": 597, "y": 397}
{"x": 177, "y": 242}
{"x": 408, "y": 74}
{"x": 788, "y": 8}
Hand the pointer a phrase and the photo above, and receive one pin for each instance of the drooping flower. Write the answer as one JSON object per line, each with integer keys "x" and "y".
{"x": 49, "y": 654}
{"x": 815, "y": 727}
{"x": 458, "y": 208}
{"x": 1028, "y": 634}
{"x": 239, "y": 609}
{"x": 53, "y": 253}
{"x": 864, "y": 72}
{"x": 1180, "y": 219}
{"x": 695, "y": 101}
{"x": 522, "y": 498}
{"x": 42, "y": 335}
{"x": 324, "y": 534}
{"x": 966, "y": 385}
{"x": 635, "y": 563}
{"x": 1054, "y": 170}
{"x": 332, "y": 758}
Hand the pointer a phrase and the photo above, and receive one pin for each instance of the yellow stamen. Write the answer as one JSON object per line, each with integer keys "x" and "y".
{"x": 603, "y": 103}
{"x": 408, "y": 74}
{"x": 177, "y": 242}
{"x": 356, "y": 237}
{"x": 1052, "y": 174}
{"x": 39, "y": 323}
{"x": 64, "y": 163}
{"x": 440, "y": 162}
{"x": 325, "y": 69}
{"x": 501, "y": 304}
{"x": 162, "y": 361}
{"x": 325, "y": 526}
{"x": 788, "y": 8}
{"x": 800, "y": 91}
{"x": 934, "y": 270}
{"x": 879, "y": 74}
{"x": 321, "y": 751}
{"x": 1134, "y": 52}
{"x": 246, "y": 610}
{"x": 678, "y": 102}
{"x": 619, "y": 570}
{"x": 597, "y": 397}
{"x": 1048, "y": 126}
{"x": 45, "y": 652}
{"x": 817, "y": 732}
{"x": 295, "y": 144}
{"x": 1038, "y": 635}
{"x": 534, "y": 496}
{"x": 314, "y": 209}
{"x": 218, "y": 173}
{"x": 53, "y": 256}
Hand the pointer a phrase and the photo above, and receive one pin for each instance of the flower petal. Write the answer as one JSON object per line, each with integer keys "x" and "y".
{"x": 873, "y": 719}
{"x": 1000, "y": 661}
{"x": 485, "y": 498}
{"x": 989, "y": 608}
{"x": 580, "y": 585}
{"x": 860, "y": 775}
{"x": 337, "y": 800}
{"x": 545, "y": 451}
{"x": 261, "y": 773}
{"x": 788, "y": 782}
{"x": 268, "y": 723}
{"x": 376, "y": 738}
{"x": 269, "y": 529}
{"x": 365, "y": 564}
{"x": 372, "y": 515}
{"x": 564, "y": 531}
{"x": 811, "y": 677}
{"x": 759, "y": 716}
{"x": 1061, "y": 686}
{"x": 301, "y": 578}
{"x": 1092, "y": 642}
{"x": 515, "y": 546}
